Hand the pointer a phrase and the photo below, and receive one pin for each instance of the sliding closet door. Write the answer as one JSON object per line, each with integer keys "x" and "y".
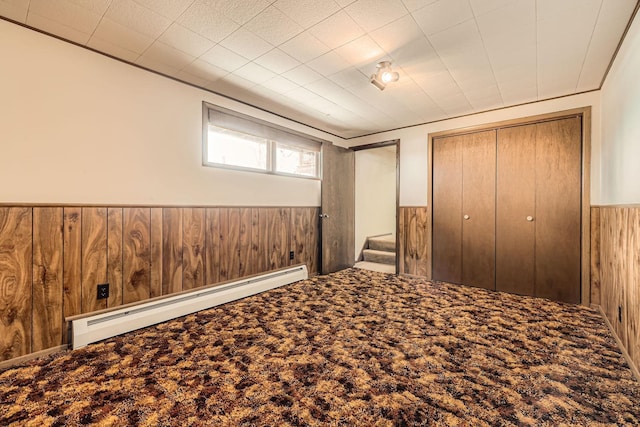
{"x": 516, "y": 210}
{"x": 478, "y": 209}
{"x": 447, "y": 209}
{"x": 558, "y": 200}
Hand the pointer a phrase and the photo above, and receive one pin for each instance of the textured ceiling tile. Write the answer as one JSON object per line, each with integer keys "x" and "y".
{"x": 304, "y": 47}
{"x": 277, "y": 61}
{"x": 344, "y": 3}
{"x": 237, "y": 81}
{"x": 155, "y": 65}
{"x": 564, "y": 31}
{"x": 373, "y": 14}
{"x": 204, "y": 70}
{"x": 14, "y": 9}
{"x": 413, "y": 5}
{"x": 224, "y": 58}
{"x": 349, "y": 77}
{"x": 112, "y": 49}
{"x": 480, "y": 7}
{"x": 246, "y": 43}
{"x": 171, "y": 9}
{"x": 307, "y": 12}
{"x": 361, "y": 51}
{"x": 611, "y": 22}
{"x": 337, "y": 30}
{"x": 329, "y": 63}
{"x": 50, "y": 26}
{"x": 485, "y": 98}
{"x": 254, "y": 73}
{"x": 186, "y": 40}
{"x": 121, "y": 36}
{"x": 67, "y": 13}
{"x": 397, "y": 34}
{"x": 240, "y": 11}
{"x": 326, "y": 88}
{"x": 159, "y": 52}
{"x": 184, "y": 76}
{"x": 95, "y": 6}
{"x": 442, "y": 14}
{"x": 280, "y": 84}
{"x": 203, "y": 19}
{"x": 274, "y": 26}
{"x": 137, "y": 17}
{"x": 302, "y": 75}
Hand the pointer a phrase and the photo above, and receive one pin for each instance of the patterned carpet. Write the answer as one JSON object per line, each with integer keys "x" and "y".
{"x": 356, "y": 348}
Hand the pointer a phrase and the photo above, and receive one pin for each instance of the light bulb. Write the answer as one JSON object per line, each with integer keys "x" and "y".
{"x": 390, "y": 76}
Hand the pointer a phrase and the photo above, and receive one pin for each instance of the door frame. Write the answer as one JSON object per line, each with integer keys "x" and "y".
{"x": 585, "y": 191}
{"x": 381, "y": 144}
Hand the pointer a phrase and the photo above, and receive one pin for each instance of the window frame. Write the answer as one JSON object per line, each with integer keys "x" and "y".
{"x": 272, "y": 145}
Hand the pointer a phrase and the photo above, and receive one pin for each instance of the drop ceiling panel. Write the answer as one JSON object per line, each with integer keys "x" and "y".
{"x": 121, "y": 36}
{"x": 159, "y": 52}
{"x": 442, "y": 14}
{"x": 137, "y": 17}
{"x": 171, "y": 9}
{"x": 304, "y": 47}
{"x": 14, "y": 9}
{"x": 611, "y": 22}
{"x": 247, "y": 44}
{"x": 337, "y": 30}
{"x": 203, "y": 19}
{"x": 183, "y": 39}
{"x": 329, "y": 63}
{"x": 307, "y": 12}
{"x": 112, "y": 49}
{"x": 564, "y": 33}
{"x": 277, "y": 61}
{"x": 68, "y": 13}
{"x": 224, "y": 58}
{"x": 311, "y": 60}
{"x": 274, "y": 26}
{"x": 373, "y": 14}
{"x": 302, "y": 75}
{"x": 55, "y": 27}
{"x": 361, "y": 51}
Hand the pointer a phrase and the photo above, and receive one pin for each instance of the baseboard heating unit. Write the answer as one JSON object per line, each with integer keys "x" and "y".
{"x": 92, "y": 328}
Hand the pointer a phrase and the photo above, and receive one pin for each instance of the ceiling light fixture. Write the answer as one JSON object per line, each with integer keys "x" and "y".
{"x": 384, "y": 75}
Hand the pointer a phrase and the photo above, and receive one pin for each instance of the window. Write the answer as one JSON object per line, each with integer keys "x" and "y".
{"x": 240, "y": 142}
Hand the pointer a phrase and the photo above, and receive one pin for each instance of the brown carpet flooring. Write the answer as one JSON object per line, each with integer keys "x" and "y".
{"x": 356, "y": 348}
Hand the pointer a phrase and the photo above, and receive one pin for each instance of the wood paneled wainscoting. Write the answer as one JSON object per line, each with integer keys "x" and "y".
{"x": 413, "y": 231}
{"x": 53, "y": 257}
{"x": 615, "y": 272}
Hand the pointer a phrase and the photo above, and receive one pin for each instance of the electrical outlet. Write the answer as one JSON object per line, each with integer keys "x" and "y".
{"x": 620, "y": 314}
{"x": 291, "y": 255}
{"x": 103, "y": 291}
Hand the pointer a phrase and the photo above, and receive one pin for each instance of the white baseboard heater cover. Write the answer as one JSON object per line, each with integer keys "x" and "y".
{"x": 94, "y": 328}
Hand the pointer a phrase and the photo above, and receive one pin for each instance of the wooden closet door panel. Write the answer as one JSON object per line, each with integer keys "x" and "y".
{"x": 447, "y": 209}
{"x": 479, "y": 209}
{"x": 515, "y": 201}
{"x": 558, "y": 198}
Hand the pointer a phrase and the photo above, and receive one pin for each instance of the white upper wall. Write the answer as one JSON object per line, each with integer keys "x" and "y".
{"x": 79, "y": 127}
{"x": 413, "y": 141}
{"x": 620, "y": 180}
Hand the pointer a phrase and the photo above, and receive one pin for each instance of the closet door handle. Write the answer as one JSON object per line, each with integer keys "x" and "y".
{"x": 530, "y": 218}
{"x": 466, "y": 217}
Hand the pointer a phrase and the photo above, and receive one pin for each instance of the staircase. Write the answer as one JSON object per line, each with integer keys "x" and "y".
{"x": 380, "y": 254}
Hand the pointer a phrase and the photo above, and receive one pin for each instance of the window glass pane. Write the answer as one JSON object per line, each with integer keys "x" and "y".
{"x": 296, "y": 160}
{"x": 232, "y": 148}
